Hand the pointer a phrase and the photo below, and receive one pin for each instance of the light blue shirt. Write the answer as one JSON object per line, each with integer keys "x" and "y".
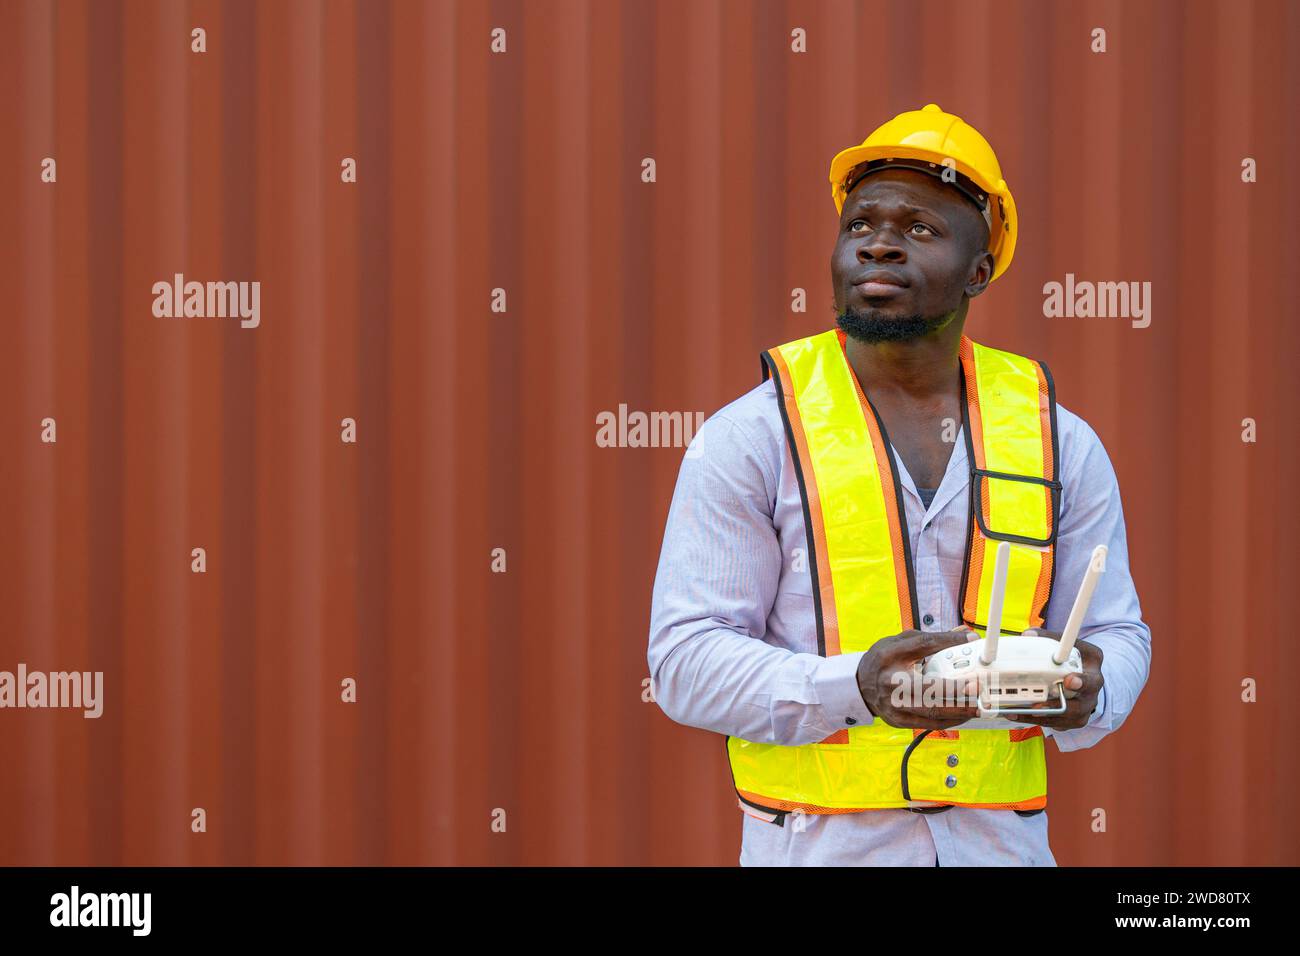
{"x": 733, "y": 638}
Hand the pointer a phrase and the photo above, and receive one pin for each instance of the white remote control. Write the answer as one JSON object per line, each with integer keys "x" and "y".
{"x": 1016, "y": 671}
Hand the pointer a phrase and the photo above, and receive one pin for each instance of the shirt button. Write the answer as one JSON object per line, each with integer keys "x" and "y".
{"x": 850, "y": 721}
{"x": 928, "y": 619}
{"x": 952, "y": 760}
{"x": 951, "y": 781}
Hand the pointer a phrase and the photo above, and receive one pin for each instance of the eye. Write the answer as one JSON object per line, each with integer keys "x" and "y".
{"x": 859, "y": 226}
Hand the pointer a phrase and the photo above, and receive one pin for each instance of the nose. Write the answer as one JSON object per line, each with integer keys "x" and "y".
{"x": 882, "y": 245}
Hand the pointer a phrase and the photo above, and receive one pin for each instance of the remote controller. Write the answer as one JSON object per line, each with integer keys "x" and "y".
{"x": 1016, "y": 671}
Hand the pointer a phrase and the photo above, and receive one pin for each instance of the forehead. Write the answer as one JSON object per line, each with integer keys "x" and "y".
{"x": 909, "y": 186}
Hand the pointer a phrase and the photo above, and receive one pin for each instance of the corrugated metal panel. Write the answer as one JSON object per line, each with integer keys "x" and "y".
{"x": 476, "y": 429}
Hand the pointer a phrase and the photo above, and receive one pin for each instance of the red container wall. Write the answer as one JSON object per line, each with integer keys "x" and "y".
{"x": 485, "y": 695}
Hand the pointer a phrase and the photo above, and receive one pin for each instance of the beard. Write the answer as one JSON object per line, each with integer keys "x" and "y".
{"x": 876, "y": 325}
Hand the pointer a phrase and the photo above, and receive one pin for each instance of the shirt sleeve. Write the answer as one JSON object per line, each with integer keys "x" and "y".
{"x": 715, "y": 586}
{"x": 1092, "y": 514}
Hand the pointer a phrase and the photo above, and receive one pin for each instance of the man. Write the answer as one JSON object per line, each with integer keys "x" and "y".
{"x": 835, "y": 526}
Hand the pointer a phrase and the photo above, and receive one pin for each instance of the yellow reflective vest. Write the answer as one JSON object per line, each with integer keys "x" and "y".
{"x": 863, "y": 586}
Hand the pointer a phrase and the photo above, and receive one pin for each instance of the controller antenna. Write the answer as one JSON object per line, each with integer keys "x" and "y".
{"x": 1096, "y": 564}
{"x": 991, "y": 633}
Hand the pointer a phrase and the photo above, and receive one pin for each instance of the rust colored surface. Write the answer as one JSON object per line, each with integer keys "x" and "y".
{"x": 521, "y": 692}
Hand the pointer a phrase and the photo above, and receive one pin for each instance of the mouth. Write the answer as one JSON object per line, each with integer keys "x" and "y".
{"x": 876, "y": 284}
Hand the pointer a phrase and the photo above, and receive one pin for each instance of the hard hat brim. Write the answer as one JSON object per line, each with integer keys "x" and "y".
{"x": 1002, "y": 207}
{"x": 949, "y": 175}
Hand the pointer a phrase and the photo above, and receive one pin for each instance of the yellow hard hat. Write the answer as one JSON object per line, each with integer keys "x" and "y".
{"x": 933, "y": 141}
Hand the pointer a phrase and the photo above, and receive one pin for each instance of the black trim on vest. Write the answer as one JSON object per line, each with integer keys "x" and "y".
{"x": 780, "y": 814}
{"x": 771, "y": 370}
{"x": 977, "y": 474}
{"x": 907, "y": 792}
{"x": 975, "y": 513}
{"x": 1056, "y": 473}
{"x": 970, "y": 500}
{"x": 1051, "y": 482}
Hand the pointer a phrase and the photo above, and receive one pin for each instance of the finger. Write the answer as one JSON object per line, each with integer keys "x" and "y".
{"x": 932, "y": 718}
{"x": 910, "y": 649}
{"x": 1041, "y": 632}
{"x": 1054, "y": 699}
{"x": 946, "y": 696}
{"x": 945, "y": 715}
{"x": 945, "y": 692}
{"x": 1091, "y": 653}
{"x": 1044, "y": 720}
{"x": 959, "y": 689}
{"x": 1074, "y": 716}
{"x": 931, "y": 705}
{"x": 1091, "y": 682}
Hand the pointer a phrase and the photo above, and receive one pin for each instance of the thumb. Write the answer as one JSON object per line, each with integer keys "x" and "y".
{"x": 931, "y": 642}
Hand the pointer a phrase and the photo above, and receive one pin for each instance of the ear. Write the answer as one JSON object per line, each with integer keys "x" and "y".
{"x": 981, "y": 274}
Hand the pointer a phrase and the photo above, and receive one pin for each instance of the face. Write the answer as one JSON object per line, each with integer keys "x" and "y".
{"x": 910, "y": 251}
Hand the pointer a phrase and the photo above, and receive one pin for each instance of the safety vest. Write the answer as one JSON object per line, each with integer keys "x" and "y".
{"x": 863, "y": 585}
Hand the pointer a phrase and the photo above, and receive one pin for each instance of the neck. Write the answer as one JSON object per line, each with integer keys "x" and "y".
{"x": 923, "y": 368}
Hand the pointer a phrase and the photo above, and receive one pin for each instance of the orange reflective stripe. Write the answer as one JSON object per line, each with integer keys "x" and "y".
{"x": 889, "y": 478}
{"x": 1049, "y": 469}
{"x": 830, "y": 632}
{"x": 1016, "y": 733}
{"x": 787, "y": 806}
{"x": 1024, "y": 733}
{"x": 1004, "y": 391}
{"x": 975, "y": 561}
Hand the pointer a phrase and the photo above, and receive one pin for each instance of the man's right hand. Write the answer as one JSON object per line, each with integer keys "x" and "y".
{"x": 891, "y": 660}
